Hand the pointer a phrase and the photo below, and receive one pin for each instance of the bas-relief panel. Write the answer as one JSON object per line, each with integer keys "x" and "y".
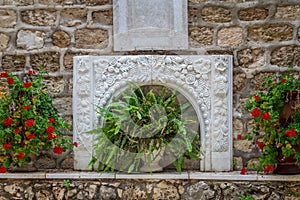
{"x": 147, "y": 25}
{"x": 206, "y": 81}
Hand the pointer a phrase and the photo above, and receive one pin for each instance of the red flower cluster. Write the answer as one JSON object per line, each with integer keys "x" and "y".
{"x": 268, "y": 169}
{"x": 50, "y": 129}
{"x": 26, "y": 107}
{"x": 260, "y": 144}
{"x": 27, "y": 84}
{"x": 10, "y": 81}
{"x": 29, "y": 122}
{"x": 30, "y": 72}
{"x": 283, "y": 80}
{"x": 7, "y": 145}
{"x": 51, "y": 136}
{"x": 256, "y": 97}
{"x": 266, "y": 116}
{"x": 2, "y": 169}
{"x": 255, "y": 112}
{"x": 51, "y": 120}
{"x": 75, "y": 144}
{"x": 57, "y": 150}
{"x": 31, "y": 136}
{"x": 243, "y": 171}
{"x": 17, "y": 131}
{"x": 239, "y": 136}
{"x": 20, "y": 156}
{"x": 291, "y": 133}
{"x": 8, "y": 121}
{"x": 3, "y": 74}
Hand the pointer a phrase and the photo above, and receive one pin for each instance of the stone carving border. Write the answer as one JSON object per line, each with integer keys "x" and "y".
{"x": 206, "y": 81}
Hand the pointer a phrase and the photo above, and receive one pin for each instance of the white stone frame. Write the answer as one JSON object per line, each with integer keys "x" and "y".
{"x": 150, "y": 25}
{"x": 206, "y": 81}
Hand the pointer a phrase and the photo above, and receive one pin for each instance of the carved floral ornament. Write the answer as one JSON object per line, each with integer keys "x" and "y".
{"x": 204, "y": 80}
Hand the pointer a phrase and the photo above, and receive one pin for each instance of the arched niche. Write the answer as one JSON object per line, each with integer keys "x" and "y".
{"x": 206, "y": 81}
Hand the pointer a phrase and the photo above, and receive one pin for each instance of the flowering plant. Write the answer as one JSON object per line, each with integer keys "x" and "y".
{"x": 28, "y": 121}
{"x": 276, "y": 114}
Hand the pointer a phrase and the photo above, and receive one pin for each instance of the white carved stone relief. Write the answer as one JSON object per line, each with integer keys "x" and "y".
{"x": 146, "y": 25}
{"x": 206, "y": 81}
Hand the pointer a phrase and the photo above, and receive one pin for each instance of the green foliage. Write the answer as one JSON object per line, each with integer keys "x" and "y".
{"x": 144, "y": 125}
{"x": 246, "y": 198}
{"x": 29, "y": 122}
{"x": 275, "y": 112}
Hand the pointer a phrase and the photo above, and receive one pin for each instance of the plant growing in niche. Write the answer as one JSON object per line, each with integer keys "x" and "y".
{"x": 276, "y": 130}
{"x": 141, "y": 126}
{"x": 29, "y": 123}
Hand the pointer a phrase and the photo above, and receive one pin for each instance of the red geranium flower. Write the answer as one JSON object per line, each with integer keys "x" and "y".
{"x": 239, "y": 136}
{"x": 260, "y": 144}
{"x": 3, "y": 74}
{"x": 51, "y": 136}
{"x": 30, "y": 72}
{"x": 266, "y": 116}
{"x": 291, "y": 133}
{"x": 243, "y": 171}
{"x": 20, "y": 156}
{"x": 57, "y": 150}
{"x": 7, "y": 145}
{"x": 50, "y": 129}
{"x": 26, "y": 107}
{"x": 8, "y": 121}
{"x": 10, "y": 81}
{"x": 31, "y": 136}
{"x": 2, "y": 169}
{"x": 268, "y": 169}
{"x": 255, "y": 112}
{"x": 256, "y": 97}
{"x": 75, "y": 144}
{"x": 51, "y": 120}
{"x": 283, "y": 80}
{"x": 29, "y": 122}
{"x": 27, "y": 84}
{"x": 17, "y": 131}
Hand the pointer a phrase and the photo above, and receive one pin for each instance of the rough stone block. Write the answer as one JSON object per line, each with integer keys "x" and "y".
{"x": 286, "y": 56}
{"x": 251, "y": 58}
{"x": 291, "y": 12}
{"x": 95, "y": 2}
{"x": 216, "y": 14}
{"x": 13, "y": 63}
{"x": 57, "y": 2}
{"x": 270, "y": 32}
{"x": 18, "y": 2}
{"x": 103, "y": 17}
{"x": 55, "y": 85}
{"x": 4, "y": 39}
{"x": 192, "y": 14}
{"x": 30, "y": 39}
{"x": 8, "y": 18}
{"x": 230, "y": 36}
{"x": 200, "y": 36}
{"x": 73, "y": 16}
{"x": 239, "y": 82}
{"x": 91, "y": 38}
{"x": 47, "y": 61}
{"x": 39, "y": 17}
{"x": 165, "y": 190}
{"x": 63, "y": 105}
{"x": 252, "y": 14}
{"x": 61, "y": 39}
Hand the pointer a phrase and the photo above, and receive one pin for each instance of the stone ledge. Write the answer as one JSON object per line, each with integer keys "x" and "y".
{"x": 213, "y": 176}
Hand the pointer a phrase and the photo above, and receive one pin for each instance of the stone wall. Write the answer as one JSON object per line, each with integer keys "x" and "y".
{"x": 146, "y": 190}
{"x": 262, "y": 36}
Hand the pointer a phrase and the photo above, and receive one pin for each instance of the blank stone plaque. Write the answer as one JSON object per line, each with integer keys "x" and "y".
{"x": 150, "y": 25}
